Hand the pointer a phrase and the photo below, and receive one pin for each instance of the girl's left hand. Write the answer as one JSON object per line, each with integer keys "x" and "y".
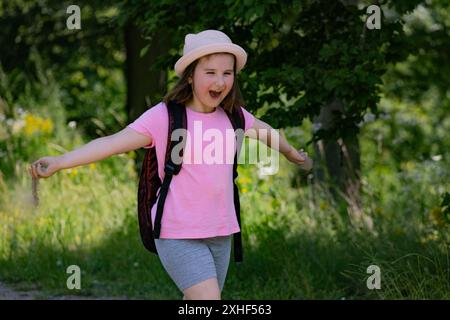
{"x": 301, "y": 158}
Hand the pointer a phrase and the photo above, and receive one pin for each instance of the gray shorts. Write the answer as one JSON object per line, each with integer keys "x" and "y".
{"x": 191, "y": 261}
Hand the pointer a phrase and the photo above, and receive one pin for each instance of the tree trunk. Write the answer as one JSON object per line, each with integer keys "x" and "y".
{"x": 145, "y": 86}
{"x": 338, "y": 166}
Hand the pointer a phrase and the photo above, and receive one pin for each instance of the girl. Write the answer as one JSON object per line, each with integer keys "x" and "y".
{"x": 195, "y": 240}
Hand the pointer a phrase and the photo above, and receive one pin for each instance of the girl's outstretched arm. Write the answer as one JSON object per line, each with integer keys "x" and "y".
{"x": 272, "y": 138}
{"x": 123, "y": 141}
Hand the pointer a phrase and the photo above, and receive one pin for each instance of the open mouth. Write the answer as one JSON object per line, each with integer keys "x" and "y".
{"x": 215, "y": 94}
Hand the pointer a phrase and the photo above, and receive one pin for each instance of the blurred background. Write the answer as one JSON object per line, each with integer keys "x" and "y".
{"x": 370, "y": 105}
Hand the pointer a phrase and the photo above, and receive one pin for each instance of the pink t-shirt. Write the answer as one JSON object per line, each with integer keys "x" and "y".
{"x": 200, "y": 202}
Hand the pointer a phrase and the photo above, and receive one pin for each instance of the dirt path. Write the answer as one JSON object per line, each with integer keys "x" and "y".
{"x": 8, "y": 293}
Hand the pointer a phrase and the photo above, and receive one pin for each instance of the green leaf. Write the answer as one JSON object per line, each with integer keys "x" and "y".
{"x": 445, "y": 200}
{"x": 144, "y": 50}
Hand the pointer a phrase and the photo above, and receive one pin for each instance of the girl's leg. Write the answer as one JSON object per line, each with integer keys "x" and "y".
{"x": 211, "y": 289}
{"x": 205, "y": 290}
{"x": 190, "y": 264}
{"x": 220, "y": 249}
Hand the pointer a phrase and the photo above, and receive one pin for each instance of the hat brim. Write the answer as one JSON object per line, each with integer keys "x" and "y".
{"x": 187, "y": 59}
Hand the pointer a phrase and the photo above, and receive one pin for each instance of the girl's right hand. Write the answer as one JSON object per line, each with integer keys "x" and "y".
{"x": 44, "y": 167}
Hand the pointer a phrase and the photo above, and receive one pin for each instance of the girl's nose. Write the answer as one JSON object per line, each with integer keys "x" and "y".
{"x": 220, "y": 82}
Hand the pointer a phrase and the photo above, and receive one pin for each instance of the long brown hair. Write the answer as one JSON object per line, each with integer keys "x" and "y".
{"x": 182, "y": 91}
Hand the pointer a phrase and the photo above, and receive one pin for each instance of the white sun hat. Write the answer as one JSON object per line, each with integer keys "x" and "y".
{"x": 207, "y": 42}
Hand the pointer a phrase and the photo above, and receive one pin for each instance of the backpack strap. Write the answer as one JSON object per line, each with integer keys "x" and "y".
{"x": 238, "y": 122}
{"x": 177, "y": 120}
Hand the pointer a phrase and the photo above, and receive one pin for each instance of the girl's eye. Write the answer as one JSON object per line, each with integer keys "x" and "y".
{"x": 210, "y": 72}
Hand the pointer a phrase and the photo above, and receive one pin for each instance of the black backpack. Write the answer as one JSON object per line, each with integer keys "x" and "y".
{"x": 150, "y": 183}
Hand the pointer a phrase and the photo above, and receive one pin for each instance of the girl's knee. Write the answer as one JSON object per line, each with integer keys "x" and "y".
{"x": 205, "y": 290}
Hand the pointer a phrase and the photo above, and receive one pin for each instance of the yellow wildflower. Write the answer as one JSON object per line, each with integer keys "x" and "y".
{"x": 437, "y": 216}
{"x": 323, "y": 206}
{"x": 72, "y": 172}
{"x": 244, "y": 180}
{"x": 47, "y": 125}
{"x": 37, "y": 124}
{"x": 31, "y": 125}
{"x": 409, "y": 165}
{"x": 399, "y": 232}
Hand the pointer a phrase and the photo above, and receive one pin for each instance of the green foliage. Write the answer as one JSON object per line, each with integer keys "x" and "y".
{"x": 427, "y": 64}
{"x": 310, "y": 52}
{"x": 86, "y": 63}
{"x": 409, "y": 131}
{"x": 416, "y": 108}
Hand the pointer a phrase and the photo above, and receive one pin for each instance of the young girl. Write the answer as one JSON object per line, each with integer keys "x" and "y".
{"x": 199, "y": 218}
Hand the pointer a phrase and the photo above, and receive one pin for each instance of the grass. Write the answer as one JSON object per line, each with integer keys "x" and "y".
{"x": 293, "y": 249}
